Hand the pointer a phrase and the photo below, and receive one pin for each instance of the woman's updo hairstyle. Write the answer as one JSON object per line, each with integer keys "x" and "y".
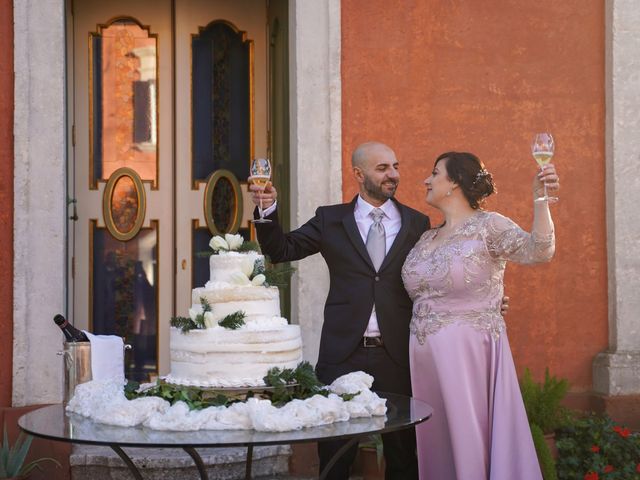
{"x": 468, "y": 172}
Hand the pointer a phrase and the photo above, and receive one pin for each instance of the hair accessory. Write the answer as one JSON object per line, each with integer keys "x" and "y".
{"x": 482, "y": 173}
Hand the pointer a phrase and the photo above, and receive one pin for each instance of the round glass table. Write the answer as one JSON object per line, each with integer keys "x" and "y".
{"x": 54, "y": 423}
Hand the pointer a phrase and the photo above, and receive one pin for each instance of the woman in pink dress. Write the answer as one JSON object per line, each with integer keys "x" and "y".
{"x": 461, "y": 363}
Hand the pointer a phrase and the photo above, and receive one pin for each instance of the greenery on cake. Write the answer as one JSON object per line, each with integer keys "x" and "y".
{"x": 195, "y": 321}
{"x": 233, "y": 321}
{"x": 278, "y": 274}
{"x": 282, "y": 386}
{"x": 203, "y": 318}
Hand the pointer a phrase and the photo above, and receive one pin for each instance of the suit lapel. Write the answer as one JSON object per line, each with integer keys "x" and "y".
{"x": 401, "y": 237}
{"x": 350, "y": 226}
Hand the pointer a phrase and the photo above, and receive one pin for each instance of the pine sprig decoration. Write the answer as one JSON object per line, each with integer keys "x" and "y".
{"x": 233, "y": 321}
{"x": 206, "y": 306}
{"x": 184, "y": 323}
{"x": 249, "y": 246}
{"x": 278, "y": 274}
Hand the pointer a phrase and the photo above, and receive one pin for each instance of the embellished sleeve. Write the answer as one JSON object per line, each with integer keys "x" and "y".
{"x": 507, "y": 241}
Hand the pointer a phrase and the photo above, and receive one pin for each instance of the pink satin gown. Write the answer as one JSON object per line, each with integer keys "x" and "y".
{"x": 461, "y": 363}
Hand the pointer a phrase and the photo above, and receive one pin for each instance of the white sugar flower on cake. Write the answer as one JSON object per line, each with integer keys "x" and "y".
{"x": 229, "y": 243}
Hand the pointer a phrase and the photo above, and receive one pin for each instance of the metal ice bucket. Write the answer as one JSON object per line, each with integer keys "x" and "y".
{"x": 77, "y": 366}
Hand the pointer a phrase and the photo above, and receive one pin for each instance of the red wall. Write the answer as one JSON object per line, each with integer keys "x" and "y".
{"x": 6, "y": 200}
{"x": 430, "y": 76}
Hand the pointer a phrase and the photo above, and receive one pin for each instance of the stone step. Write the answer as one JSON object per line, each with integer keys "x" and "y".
{"x": 89, "y": 462}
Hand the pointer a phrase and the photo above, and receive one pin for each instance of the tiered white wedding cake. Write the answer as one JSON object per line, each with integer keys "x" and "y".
{"x": 234, "y": 333}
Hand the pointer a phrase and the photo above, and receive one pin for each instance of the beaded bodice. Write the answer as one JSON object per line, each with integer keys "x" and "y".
{"x": 461, "y": 279}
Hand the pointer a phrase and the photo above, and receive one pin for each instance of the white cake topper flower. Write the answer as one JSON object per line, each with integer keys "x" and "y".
{"x": 228, "y": 243}
{"x": 218, "y": 243}
{"x": 234, "y": 241}
{"x": 258, "y": 280}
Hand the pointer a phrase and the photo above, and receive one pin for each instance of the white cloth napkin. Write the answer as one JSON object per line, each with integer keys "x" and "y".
{"x": 107, "y": 356}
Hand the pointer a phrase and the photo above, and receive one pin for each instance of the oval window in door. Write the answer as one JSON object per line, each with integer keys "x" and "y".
{"x": 223, "y": 203}
{"x": 124, "y": 204}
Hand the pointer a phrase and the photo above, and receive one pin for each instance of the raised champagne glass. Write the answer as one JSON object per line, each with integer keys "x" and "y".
{"x": 542, "y": 150}
{"x": 260, "y": 176}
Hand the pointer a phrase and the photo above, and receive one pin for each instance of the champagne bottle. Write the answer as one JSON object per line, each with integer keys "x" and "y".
{"x": 71, "y": 333}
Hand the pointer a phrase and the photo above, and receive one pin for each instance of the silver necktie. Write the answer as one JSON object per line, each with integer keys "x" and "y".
{"x": 376, "y": 242}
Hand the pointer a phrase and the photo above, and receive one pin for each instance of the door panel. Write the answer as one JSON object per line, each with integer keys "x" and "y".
{"x": 146, "y": 200}
{"x": 122, "y": 176}
{"x": 201, "y": 27}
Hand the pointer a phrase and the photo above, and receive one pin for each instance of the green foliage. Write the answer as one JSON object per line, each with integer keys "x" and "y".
{"x": 12, "y": 457}
{"x": 249, "y": 246}
{"x": 547, "y": 464}
{"x": 597, "y": 447}
{"x": 195, "y": 398}
{"x": 233, "y": 321}
{"x": 301, "y": 383}
{"x": 287, "y": 384}
{"x": 278, "y": 274}
{"x": 186, "y": 323}
{"x": 542, "y": 401}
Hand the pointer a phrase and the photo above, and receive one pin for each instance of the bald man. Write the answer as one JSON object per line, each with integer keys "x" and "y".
{"x": 367, "y": 311}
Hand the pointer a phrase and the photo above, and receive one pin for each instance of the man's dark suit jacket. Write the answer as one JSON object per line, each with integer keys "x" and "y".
{"x": 355, "y": 285}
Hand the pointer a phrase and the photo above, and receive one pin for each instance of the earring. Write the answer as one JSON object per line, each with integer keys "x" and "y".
{"x": 448, "y": 194}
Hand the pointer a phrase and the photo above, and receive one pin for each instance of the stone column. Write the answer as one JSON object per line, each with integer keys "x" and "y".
{"x": 39, "y": 283}
{"x": 316, "y": 134}
{"x": 616, "y": 371}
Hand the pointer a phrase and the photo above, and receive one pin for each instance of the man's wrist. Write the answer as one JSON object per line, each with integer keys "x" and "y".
{"x": 270, "y": 209}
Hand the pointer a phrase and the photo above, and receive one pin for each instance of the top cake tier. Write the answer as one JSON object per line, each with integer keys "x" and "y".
{"x": 224, "y": 266}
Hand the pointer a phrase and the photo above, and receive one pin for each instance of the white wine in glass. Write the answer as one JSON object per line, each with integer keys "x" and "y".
{"x": 260, "y": 174}
{"x": 542, "y": 150}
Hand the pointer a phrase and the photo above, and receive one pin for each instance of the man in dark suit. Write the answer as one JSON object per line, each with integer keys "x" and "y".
{"x": 367, "y": 312}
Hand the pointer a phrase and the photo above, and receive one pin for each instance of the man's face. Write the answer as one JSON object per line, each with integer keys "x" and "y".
{"x": 379, "y": 176}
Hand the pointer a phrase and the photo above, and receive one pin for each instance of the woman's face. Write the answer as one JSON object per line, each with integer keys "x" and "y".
{"x": 438, "y": 184}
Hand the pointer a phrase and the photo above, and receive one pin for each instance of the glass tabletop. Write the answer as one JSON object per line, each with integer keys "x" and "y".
{"x": 54, "y": 423}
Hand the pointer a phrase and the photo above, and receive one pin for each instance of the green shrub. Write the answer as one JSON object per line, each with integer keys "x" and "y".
{"x": 547, "y": 464}
{"x": 542, "y": 401}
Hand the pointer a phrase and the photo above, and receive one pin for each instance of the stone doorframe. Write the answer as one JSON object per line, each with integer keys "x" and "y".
{"x": 41, "y": 137}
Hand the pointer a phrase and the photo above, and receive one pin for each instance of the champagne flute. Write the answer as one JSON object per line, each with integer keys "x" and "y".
{"x": 542, "y": 150}
{"x": 260, "y": 175}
